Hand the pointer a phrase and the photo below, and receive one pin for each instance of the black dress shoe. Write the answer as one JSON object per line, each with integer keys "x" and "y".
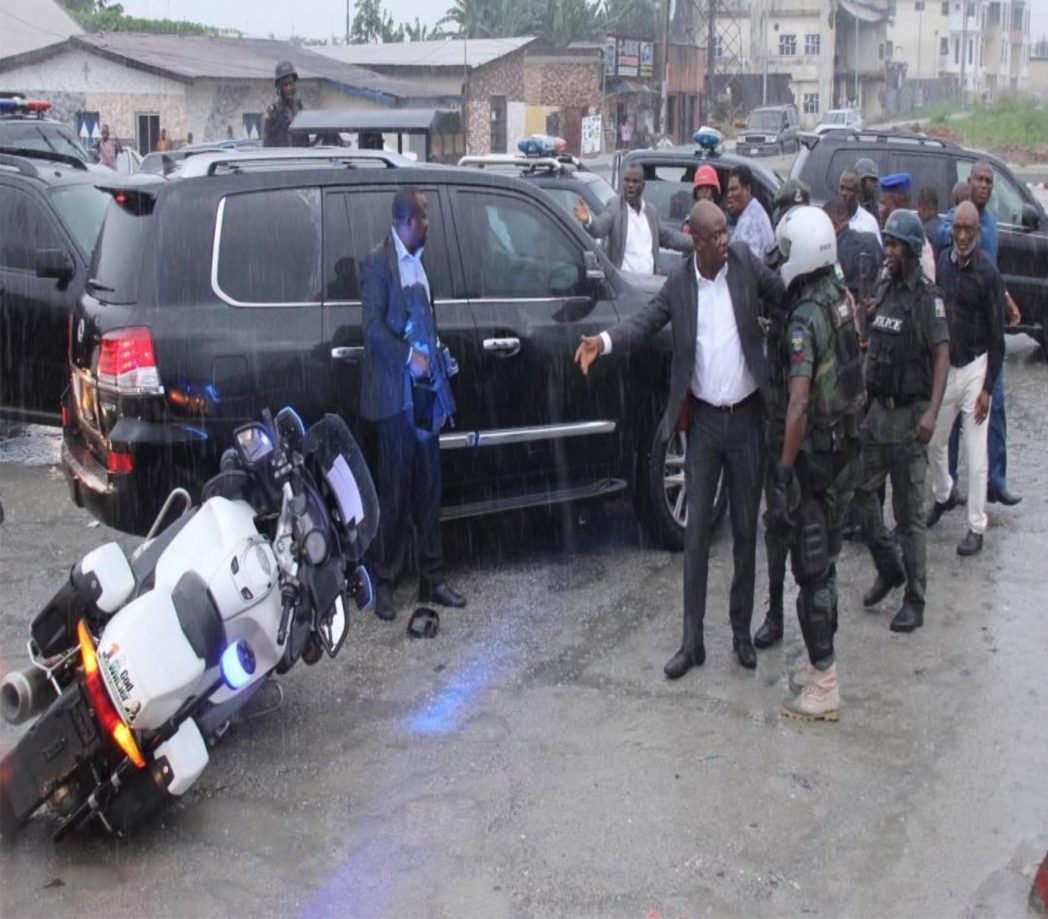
{"x": 682, "y": 662}
{"x": 941, "y": 507}
{"x": 384, "y": 606}
{"x": 882, "y": 587}
{"x": 745, "y": 653}
{"x": 1002, "y": 496}
{"x": 768, "y": 634}
{"x": 971, "y": 544}
{"x": 440, "y": 593}
{"x": 907, "y": 619}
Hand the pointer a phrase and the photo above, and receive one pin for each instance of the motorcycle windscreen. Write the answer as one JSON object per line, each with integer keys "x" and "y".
{"x": 345, "y": 472}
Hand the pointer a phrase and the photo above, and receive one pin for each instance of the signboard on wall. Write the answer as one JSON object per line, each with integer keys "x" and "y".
{"x": 628, "y": 57}
{"x": 610, "y": 58}
{"x": 590, "y": 135}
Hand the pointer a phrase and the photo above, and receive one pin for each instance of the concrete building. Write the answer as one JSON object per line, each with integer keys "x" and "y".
{"x": 833, "y": 51}
{"x": 204, "y": 86}
{"x": 981, "y": 46}
{"x": 508, "y": 87}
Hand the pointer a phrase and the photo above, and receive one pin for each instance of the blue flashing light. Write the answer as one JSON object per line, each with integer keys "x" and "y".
{"x": 444, "y": 713}
{"x": 238, "y": 664}
{"x": 708, "y": 138}
{"x": 542, "y": 145}
{"x": 8, "y": 105}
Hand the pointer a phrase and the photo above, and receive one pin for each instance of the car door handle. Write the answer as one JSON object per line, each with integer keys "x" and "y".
{"x": 348, "y": 354}
{"x": 506, "y": 347}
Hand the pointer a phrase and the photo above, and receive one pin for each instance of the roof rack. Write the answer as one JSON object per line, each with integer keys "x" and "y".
{"x": 16, "y": 157}
{"x": 851, "y": 135}
{"x": 270, "y": 158}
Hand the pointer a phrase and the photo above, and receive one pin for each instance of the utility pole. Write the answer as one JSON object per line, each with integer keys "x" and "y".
{"x": 664, "y": 41}
{"x": 964, "y": 47}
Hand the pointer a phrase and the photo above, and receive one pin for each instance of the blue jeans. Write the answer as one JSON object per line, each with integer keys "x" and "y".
{"x": 997, "y": 440}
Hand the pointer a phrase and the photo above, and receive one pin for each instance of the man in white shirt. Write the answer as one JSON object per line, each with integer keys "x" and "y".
{"x": 752, "y": 225}
{"x": 632, "y": 227}
{"x": 859, "y": 219}
{"x": 713, "y": 304}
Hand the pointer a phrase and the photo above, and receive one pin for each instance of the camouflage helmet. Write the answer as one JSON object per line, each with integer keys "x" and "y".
{"x": 284, "y": 69}
{"x": 867, "y": 169}
{"x": 906, "y": 227}
{"x": 792, "y": 193}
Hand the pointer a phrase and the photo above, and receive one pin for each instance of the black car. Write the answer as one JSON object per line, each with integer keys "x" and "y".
{"x": 50, "y": 214}
{"x": 214, "y": 295}
{"x": 769, "y": 130}
{"x": 669, "y": 177}
{"x": 940, "y": 164}
{"x": 23, "y": 126}
{"x": 563, "y": 178}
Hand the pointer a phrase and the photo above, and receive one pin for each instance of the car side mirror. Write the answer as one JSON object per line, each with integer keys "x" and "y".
{"x": 595, "y": 276}
{"x": 1031, "y": 219}
{"x": 55, "y": 263}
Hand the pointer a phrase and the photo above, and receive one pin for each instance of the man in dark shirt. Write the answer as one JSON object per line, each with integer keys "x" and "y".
{"x": 928, "y": 210}
{"x": 860, "y": 254}
{"x": 974, "y": 295}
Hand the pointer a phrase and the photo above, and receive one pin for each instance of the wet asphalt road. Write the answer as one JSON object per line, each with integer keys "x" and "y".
{"x": 532, "y": 760}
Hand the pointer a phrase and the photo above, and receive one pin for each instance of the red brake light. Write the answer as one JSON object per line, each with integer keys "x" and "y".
{"x": 120, "y": 198}
{"x": 126, "y": 361}
{"x": 119, "y": 463}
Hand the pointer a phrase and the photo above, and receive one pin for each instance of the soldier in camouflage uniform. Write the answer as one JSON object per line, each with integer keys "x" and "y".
{"x": 816, "y": 471}
{"x": 792, "y": 193}
{"x": 281, "y": 113}
{"x": 906, "y": 367}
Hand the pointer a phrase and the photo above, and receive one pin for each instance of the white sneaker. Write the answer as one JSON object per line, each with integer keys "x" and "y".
{"x": 820, "y": 700}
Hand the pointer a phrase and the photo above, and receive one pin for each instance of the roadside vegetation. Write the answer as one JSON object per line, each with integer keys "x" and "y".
{"x": 1015, "y": 129}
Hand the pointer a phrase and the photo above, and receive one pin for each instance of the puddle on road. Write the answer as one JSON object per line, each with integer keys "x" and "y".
{"x": 30, "y": 444}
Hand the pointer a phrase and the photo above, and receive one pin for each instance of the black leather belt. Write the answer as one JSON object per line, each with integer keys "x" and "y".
{"x": 734, "y": 407}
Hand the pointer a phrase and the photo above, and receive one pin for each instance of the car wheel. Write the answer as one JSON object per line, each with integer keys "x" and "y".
{"x": 660, "y": 496}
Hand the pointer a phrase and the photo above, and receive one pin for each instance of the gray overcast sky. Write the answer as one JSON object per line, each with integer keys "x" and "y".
{"x": 308, "y": 18}
{"x": 321, "y": 18}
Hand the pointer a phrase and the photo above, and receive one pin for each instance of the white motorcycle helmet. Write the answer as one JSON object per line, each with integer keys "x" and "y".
{"x": 807, "y": 242}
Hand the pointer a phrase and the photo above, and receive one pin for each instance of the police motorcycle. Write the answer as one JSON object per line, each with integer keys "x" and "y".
{"x": 139, "y": 664}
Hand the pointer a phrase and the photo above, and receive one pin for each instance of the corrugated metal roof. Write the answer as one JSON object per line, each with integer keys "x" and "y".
{"x": 26, "y": 25}
{"x": 448, "y": 53}
{"x": 190, "y": 57}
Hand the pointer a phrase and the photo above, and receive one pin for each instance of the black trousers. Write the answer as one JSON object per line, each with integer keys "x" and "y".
{"x": 408, "y": 485}
{"x": 732, "y": 441}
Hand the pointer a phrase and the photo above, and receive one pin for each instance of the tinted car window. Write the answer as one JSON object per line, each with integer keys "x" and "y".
{"x": 357, "y": 221}
{"x": 519, "y": 251}
{"x": 1006, "y": 202}
{"x": 82, "y": 208}
{"x": 845, "y": 158}
{"x": 23, "y": 229}
{"x": 936, "y": 172}
{"x": 269, "y": 247}
{"x": 41, "y": 135}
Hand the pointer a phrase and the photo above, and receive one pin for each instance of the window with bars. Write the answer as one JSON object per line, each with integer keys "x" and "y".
{"x": 812, "y": 45}
{"x": 787, "y": 45}
{"x": 811, "y": 103}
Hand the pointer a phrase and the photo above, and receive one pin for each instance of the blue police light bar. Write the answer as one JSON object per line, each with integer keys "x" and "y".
{"x": 708, "y": 138}
{"x": 238, "y": 664}
{"x": 20, "y": 104}
{"x": 542, "y": 145}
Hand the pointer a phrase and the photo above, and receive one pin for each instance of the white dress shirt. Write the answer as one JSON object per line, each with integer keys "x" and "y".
{"x": 637, "y": 256}
{"x": 720, "y": 376}
{"x": 412, "y": 271}
{"x": 754, "y": 228}
{"x": 864, "y": 222}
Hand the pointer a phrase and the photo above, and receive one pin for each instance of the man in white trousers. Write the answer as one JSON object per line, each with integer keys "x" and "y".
{"x": 973, "y": 293}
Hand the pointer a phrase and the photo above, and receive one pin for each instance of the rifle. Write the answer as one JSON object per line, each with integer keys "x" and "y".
{"x": 431, "y": 396}
{"x": 860, "y": 309}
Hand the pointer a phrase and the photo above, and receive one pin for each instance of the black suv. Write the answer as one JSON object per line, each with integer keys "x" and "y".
{"x": 564, "y": 178}
{"x": 669, "y": 177}
{"x": 50, "y": 214}
{"x": 770, "y": 129}
{"x": 215, "y": 294}
{"x": 940, "y": 164}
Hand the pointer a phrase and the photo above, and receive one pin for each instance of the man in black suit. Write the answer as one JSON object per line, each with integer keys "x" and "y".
{"x": 719, "y": 379}
{"x": 408, "y": 458}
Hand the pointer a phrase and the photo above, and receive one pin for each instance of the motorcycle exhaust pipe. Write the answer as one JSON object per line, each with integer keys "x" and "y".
{"x": 24, "y": 694}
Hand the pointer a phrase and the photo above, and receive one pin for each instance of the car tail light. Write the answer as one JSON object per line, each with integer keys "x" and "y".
{"x": 98, "y": 696}
{"x": 119, "y": 463}
{"x": 127, "y": 362}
